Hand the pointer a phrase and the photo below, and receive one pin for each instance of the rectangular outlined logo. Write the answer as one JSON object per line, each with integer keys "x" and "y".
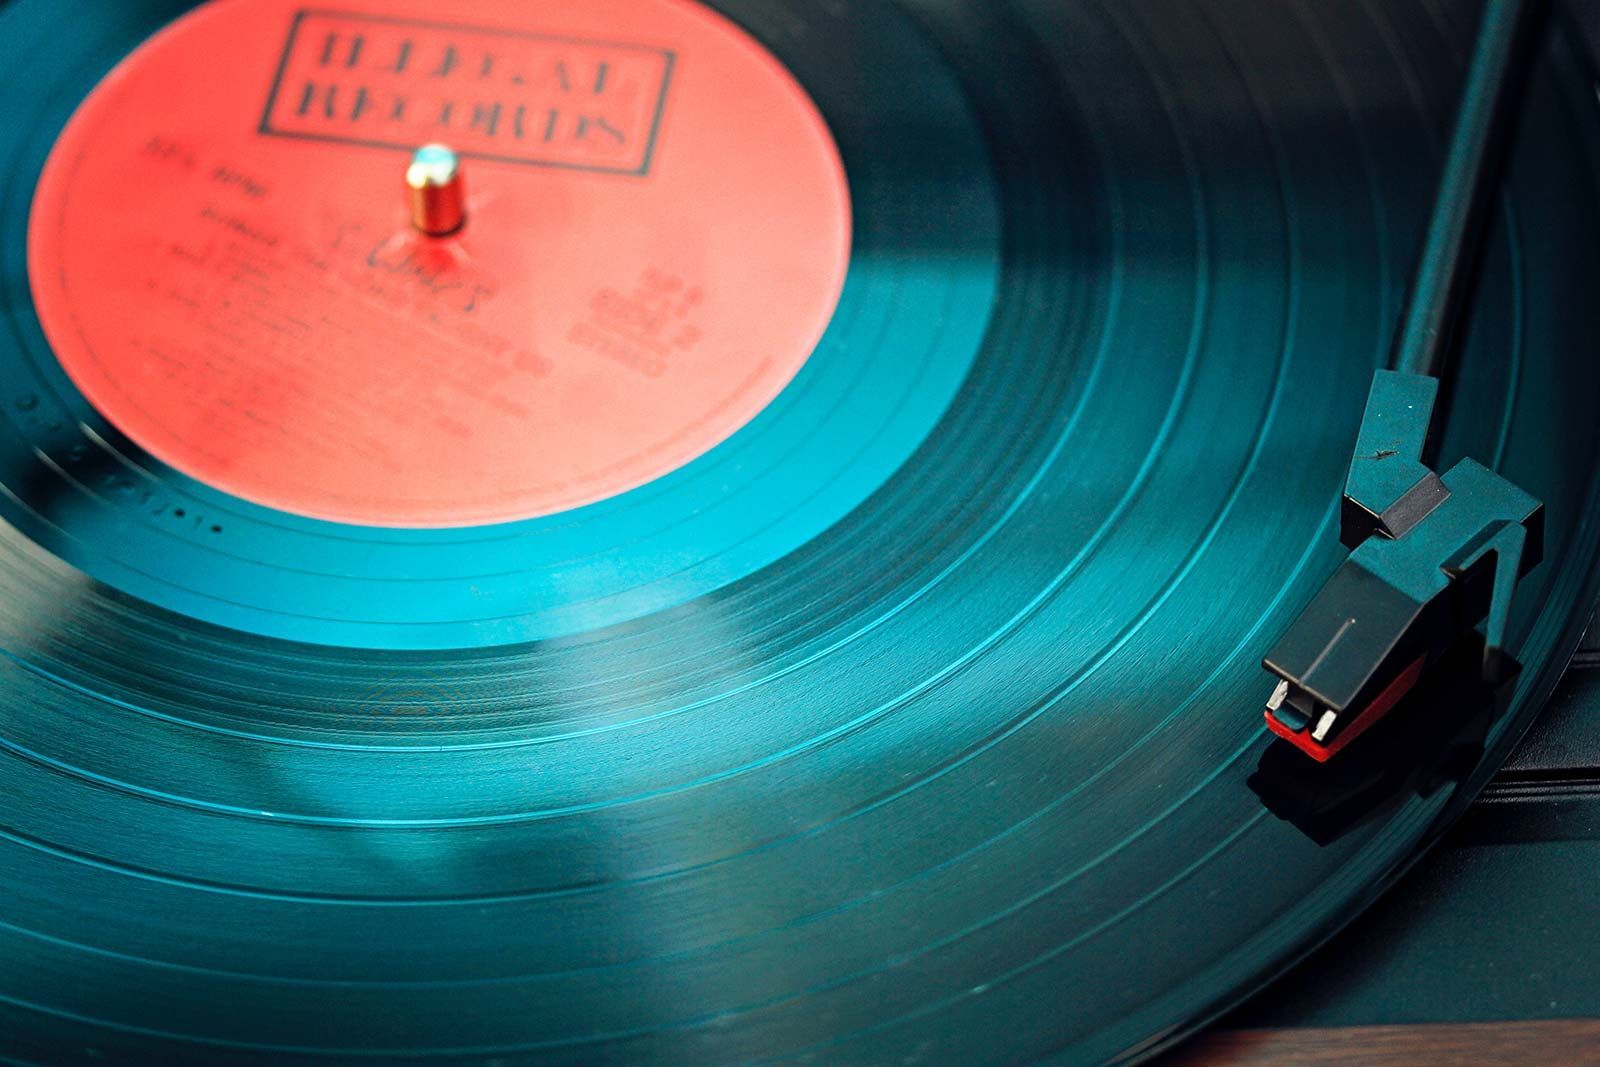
{"x": 501, "y": 95}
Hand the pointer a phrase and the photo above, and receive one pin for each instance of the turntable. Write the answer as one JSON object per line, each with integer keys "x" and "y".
{"x": 750, "y": 530}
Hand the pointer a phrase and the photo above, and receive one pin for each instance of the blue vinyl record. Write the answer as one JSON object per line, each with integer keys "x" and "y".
{"x": 914, "y": 723}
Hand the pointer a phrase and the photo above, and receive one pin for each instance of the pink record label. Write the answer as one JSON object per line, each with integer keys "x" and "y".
{"x": 222, "y": 258}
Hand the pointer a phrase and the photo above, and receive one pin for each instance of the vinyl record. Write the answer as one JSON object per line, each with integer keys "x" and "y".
{"x": 906, "y": 707}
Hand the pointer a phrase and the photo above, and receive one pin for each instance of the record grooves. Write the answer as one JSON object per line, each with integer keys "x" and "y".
{"x": 916, "y": 720}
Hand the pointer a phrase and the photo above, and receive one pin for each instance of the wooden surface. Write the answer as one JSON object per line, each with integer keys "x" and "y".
{"x": 1517, "y": 1044}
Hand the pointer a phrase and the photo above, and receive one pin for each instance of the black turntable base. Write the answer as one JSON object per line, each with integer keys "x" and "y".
{"x": 779, "y": 531}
